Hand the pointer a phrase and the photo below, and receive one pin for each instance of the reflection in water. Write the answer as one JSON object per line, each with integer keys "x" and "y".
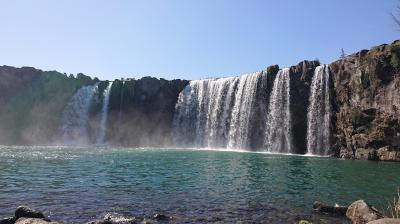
{"x": 194, "y": 186}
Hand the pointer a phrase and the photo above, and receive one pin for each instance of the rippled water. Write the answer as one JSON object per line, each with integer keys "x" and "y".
{"x": 195, "y": 186}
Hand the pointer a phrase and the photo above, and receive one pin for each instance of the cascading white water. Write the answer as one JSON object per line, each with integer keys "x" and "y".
{"x": 278, "y": 128}
{"x": 100, "y": 139}
{"x": 239, "y": 127}
{"x": 215, "y": 112}
{"x": 319, "y": 113}
{"x": 74, "y": 121}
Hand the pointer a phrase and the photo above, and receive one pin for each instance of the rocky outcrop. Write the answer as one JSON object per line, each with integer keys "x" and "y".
{"x": 26, "y": 212}
{"x": 359, "y": 212}
{"x": 366, "y": 103}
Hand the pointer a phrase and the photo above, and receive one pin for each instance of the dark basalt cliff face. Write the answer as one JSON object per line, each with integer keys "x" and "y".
{"x": 366, "y": 93}
{"x": 141, "y": 111}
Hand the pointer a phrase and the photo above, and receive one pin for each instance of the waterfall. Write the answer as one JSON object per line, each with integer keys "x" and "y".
{"x": 239, "y": 127}
{"x": 278, "y": 128}
{"x": 104, "y": 114}
{"x": 74, "y": 121}
{"x": 215, "y": 112}
{"x": 319, "y": 113}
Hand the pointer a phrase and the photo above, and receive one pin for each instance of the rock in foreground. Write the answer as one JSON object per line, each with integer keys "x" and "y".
{"x": 359, "y": 212}
{"x": 26, "y": 212}
{"x": 26, "y": 215}
{"x": 334, "y": 210}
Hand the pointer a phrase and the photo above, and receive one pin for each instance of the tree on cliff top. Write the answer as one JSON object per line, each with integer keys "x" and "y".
{"x": 342, "y": 54}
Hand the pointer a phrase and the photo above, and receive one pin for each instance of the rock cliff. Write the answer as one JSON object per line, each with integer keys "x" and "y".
{"x": 366, "y": 103}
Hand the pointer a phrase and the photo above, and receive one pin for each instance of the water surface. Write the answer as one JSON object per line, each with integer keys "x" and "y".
{"x": 195, "y": 186}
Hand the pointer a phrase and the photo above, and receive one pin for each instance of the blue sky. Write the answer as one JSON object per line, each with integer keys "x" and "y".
{"x": 188, "y": 39}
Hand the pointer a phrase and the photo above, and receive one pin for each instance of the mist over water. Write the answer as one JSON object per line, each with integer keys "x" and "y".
{"x": 74, "y": 122}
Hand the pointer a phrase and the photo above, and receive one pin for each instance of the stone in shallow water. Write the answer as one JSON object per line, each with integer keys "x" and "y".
{"x": 26, "y": 212}
{"x": 360, "y": 212}
{"x": 334, "y": 210}
{"x": 161, "y": 217}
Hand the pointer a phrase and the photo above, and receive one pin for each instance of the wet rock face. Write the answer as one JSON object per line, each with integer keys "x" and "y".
{"x": 366, "y": 104}
{"x": 300, "y": 81}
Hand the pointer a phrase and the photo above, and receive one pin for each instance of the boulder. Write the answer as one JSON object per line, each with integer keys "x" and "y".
{"x": 359, "y": 212}
{"x": 161, "y": 217}
{"x": 26, "y": 212}
{"x": 385, "y": 221}
{"x": 34, "y": 221}
{"x": 334, "y": 210}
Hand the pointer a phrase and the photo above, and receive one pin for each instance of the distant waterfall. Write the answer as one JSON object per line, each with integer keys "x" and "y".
{"x": 74, "y": 121}
{"x": 215, "y": 112}
{"x": 100, "y": 139}
{"x": 278, "y": 133}
{"x": 319, "y": 113}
